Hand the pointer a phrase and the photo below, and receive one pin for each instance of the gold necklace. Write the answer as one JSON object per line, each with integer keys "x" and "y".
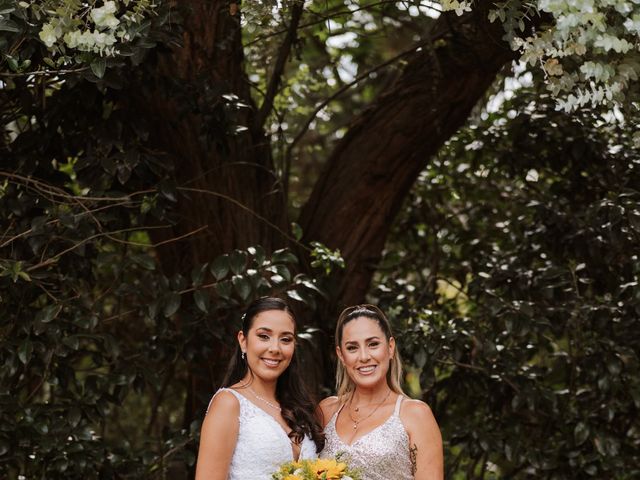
{"x": 356, "y": 423}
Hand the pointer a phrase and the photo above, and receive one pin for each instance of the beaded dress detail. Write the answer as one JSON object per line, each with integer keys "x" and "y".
{"x": 262, "y": 444}
{"x": 381, "y": 454}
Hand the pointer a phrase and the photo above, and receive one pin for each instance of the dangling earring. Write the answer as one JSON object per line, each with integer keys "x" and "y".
{"x": 243, "y": 355}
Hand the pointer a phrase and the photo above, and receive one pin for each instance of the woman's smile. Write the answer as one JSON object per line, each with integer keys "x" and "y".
{"x": 271, "y": 362}
{"x": 366, "y": 369}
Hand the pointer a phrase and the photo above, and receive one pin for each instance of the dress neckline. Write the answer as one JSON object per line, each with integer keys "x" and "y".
{"x": 395, "y": 413}
{"x": 276, "y": 422}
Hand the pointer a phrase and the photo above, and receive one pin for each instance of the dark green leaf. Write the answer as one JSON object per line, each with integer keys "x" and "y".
{"x": 98, "y": 66}
{"x": 72, "y": 342}
{"x": 73, "y": 416}
{"x": 242, "y": 286}
{"x": 48, "y": 313}
{"x": 421, "y": 358}
{"x": 197, "y": 274}
{"x": 220, "y": 267}
{"x": 171, "y": 304}
{"x": 145, "y": 261}
{"x": 42, "y": 427}
{"x": 201, "y": 298}
{"x": 13, "y": 63}
{"x": 223, "y": 289}
{"x": 294, "y": 295}
{"x": 296, "y": 230}
{"x": 25, "y": 350}
{"x": 258, "y": 254}
{"x": 168, "y": 190}
{"x": 581, "y": 433}
{"x": 282, "y": 271}
{"x": 283, "y": 256}
{"x": 238, "y": 261}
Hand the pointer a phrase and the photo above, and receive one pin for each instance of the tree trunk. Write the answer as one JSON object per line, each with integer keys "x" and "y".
{"x": 190, "y": 119}
{"x": 362, "y": 187}
{"x": 213, "y": 168}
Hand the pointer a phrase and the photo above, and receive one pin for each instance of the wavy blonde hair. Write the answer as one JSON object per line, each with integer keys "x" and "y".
{"x": 344, "y": 384}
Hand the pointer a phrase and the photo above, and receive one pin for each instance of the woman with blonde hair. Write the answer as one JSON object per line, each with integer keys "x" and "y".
{"x": 371, "y": 421}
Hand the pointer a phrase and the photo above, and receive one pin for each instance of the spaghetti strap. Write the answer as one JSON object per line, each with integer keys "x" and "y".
{"x": 396, "y": 411}
{"x": 235, "y": 394}
{"x": 210, "y": 402}
{"x": 334, "y": 417}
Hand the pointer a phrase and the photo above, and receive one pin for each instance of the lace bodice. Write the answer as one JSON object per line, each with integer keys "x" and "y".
{"x": 262, "y": 444}
{"x": 381, "y": 454}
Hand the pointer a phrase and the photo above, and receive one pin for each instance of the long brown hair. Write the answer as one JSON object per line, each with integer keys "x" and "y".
{"x": 295, "y": 400}
{"x": 344, "y": 384}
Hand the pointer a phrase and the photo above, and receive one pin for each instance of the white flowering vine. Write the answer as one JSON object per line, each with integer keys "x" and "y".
{"x": 97, "y": 27}
{"x": 590, "y": 54}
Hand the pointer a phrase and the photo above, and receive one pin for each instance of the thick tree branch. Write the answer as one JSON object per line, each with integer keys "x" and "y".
{"x": 367, "y": 177}
{"x": 345, "y": 88}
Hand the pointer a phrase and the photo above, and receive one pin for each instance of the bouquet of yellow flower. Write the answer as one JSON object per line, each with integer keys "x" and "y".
{"x": 318, "y": 469}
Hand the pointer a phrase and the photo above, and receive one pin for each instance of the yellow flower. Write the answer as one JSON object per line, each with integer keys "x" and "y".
{"x": 332, "y": 469}
{"x": 293, "y": 477}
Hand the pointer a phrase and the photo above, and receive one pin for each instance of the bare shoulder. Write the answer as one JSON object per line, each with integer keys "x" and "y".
{"x": 327, "y": 408}
{"x": 329, "y": 401}
{"x": 415, "y": 409}
{"x": 415, "y": 414}
{"x": 224, "y": 403}
{"x": 329, "y": 404}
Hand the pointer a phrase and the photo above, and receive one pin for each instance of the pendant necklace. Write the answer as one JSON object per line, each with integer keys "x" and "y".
{"x": 356, "y": 423}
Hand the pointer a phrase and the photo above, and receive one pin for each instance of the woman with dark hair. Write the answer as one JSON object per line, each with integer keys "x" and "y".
{"x": 263, "y": 416}
{"x": 371, "y": 421}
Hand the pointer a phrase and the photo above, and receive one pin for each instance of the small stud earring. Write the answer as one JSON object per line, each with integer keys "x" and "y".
{"x": 243, "y": 355}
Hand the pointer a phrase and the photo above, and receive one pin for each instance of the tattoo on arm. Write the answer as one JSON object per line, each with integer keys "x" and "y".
{"x": 413, "y": 456}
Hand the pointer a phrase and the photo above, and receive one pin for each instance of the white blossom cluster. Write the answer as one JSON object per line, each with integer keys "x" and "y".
{"x": 92, "y": 28}
{"x": 590, "y": 54}
{"x": 457, "y": 6}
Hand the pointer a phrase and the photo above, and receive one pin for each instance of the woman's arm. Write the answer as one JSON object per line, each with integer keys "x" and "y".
{"x": 218, "y": 438}
{"x": 425, "y": 440}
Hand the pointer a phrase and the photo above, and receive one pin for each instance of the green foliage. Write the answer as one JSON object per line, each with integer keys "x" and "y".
{"x": 514, "y": 273}
{"x": 80, "y": 37}
{"x": 325, "y": 258}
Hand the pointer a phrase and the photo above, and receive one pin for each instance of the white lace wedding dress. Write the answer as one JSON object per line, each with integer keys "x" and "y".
{"x": 262, "y": 444}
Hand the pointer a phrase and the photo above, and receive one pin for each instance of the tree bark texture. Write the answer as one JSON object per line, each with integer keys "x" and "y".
{"x": 214, "y": 169}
